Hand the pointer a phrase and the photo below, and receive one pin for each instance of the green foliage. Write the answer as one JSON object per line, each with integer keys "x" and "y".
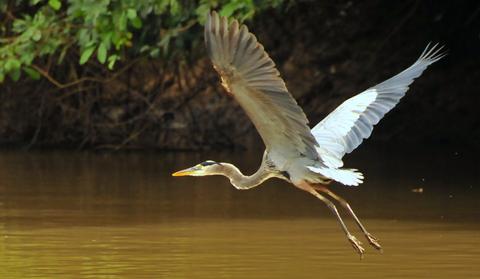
{"x": 114, "y": 30}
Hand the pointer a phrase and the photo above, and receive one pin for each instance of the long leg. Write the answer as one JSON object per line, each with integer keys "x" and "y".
{"x": 371, "y": 239}
{"x": 357, "y": 245}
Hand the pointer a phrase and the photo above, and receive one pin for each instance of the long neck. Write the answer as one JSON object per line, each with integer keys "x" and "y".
{"x": 241, "y": 181}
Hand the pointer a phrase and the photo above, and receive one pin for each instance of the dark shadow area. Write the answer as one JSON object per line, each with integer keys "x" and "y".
{"x": 327, "y": 51}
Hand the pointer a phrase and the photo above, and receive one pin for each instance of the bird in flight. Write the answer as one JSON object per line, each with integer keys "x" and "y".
{"x": 308, "y": 158}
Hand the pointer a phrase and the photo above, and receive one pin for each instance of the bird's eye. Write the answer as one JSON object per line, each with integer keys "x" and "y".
{"x": 208, "y": 163}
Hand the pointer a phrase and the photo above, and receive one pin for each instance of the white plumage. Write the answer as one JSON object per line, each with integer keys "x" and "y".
{"x": 348, "y": 125}
{"x": 349, "y": 177}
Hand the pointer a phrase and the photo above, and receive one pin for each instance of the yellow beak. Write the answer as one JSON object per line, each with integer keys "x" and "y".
{"x": 185, "y": 172}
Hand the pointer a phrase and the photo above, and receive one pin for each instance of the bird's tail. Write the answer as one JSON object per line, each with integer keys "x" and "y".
{"x": 349, "y": 177}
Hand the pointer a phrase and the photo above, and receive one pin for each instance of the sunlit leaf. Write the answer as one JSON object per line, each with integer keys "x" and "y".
{"x": 102, "y": 53}
{"x": 103, "y": 27}
{"x": 12, "y": 64}
{"x": 131, "y": 14}
{"x": 111, "y": 61}
{"x": 202, "y": 11}
{"x": 55, "y": 4}
{"x": 86, "y": 54}
{"x": 230, "y": 8}
{"x": 174, "y": 7}
{"x": 37, "y": 35}
{"x": 122, "y": 22}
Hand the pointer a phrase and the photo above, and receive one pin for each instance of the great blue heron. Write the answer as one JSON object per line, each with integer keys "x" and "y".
{"x": 309, "y": 159}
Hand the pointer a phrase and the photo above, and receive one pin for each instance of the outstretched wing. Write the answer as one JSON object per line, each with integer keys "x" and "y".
{"x": 249, "y": 74}
{"x": 345, "y": 128}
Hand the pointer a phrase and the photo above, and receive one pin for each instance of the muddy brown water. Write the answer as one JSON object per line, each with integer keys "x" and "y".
{"x": 87, "y": 215}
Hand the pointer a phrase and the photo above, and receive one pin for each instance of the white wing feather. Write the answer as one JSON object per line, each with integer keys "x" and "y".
{"x": 344, "y": 129}
{"x": 349, "y": 177}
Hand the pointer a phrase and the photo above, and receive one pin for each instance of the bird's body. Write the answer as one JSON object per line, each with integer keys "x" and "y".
{"x": 307, "y": 158}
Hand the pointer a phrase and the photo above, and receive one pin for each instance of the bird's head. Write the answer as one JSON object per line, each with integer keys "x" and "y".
{"x": 203, "y": 169}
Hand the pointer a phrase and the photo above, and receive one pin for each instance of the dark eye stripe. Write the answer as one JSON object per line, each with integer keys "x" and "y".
{"x": 208, "y": 163}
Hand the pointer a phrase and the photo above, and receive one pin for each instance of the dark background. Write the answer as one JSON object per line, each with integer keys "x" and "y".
{"x": 327, "y": 51}
{"x": 330, "y": 52}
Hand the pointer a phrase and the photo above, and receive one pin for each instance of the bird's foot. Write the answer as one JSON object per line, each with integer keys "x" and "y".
{"x": 356, "y": 244}
{"x": 374, "y": 242}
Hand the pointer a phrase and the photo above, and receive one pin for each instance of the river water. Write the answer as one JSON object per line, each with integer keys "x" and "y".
{"x": 91, "y": 215}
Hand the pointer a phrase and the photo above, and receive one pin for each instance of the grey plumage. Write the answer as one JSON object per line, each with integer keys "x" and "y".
{"x": 250, "y": 75}
{"x": 309, "y": 159}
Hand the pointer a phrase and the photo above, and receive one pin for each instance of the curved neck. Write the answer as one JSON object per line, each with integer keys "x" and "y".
{"x": 241, "y": 181}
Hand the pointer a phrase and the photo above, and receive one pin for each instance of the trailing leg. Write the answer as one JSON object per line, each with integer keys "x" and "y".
{"x": 371, "y": 239}
{"x": 356, "y": 244}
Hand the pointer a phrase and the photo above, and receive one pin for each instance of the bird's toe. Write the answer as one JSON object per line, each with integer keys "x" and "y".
{"x": 356, "y": 244}
{"x": 374, "y": 242}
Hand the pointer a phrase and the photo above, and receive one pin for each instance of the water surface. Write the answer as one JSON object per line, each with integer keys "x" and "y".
{"x": 87, "y": 215}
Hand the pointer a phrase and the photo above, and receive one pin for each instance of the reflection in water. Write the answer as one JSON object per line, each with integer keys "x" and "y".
{"x": 122, "y": 215}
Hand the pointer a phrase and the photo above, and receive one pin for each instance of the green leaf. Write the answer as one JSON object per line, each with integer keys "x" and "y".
{"x": 8, "y": 65}
{"x": 62, "y": 55}
{"x": 165, "y": 42}
{"x": 131, "y": 14}
{"x": 102, "y": 53}
{"x": 2, "y": 77}
{"x": 32, "y": 73}
{"x": 37, "y": 35}
{"x": 111, "y": 61}
{"x": 15, "y": 74}
{"x": 55, "y": 4}
{"x": 230, "y": 8}
{"x": 174, "y": 7}
{"x": 155, "y": 53}
{"x": 144, "y": 48}
{"x": 12, "y": 64}
{"x": 136, "y": 22}
{"x": 27, "y": 57}
{"x": 202, "y": 11}
{"x": 122, "y": 22}
{"x": 86, "y": 54}
{"x": 247, "y": 15}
